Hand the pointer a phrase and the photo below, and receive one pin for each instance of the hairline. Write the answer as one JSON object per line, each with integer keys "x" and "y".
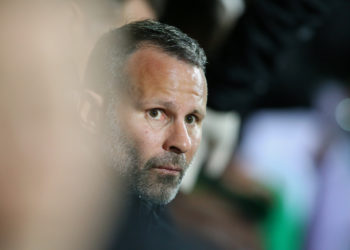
{"x": 145, "y": 44}
{"x": 123, "y": 83}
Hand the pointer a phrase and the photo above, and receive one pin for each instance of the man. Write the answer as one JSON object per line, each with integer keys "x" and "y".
{"x": 146, "y": 92}
{"x": 153, "y": 93}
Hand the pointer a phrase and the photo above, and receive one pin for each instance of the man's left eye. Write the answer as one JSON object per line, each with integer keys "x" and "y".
{"x": 190, "y": 119}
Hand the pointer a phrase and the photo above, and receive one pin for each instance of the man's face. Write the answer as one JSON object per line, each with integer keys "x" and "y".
{"x": 157, "y": 123}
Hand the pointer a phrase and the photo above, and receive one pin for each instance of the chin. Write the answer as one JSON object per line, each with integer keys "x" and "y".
{"x": 158, "y": 195}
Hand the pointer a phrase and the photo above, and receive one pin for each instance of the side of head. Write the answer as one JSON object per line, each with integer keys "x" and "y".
{"x": 148, "y": 80}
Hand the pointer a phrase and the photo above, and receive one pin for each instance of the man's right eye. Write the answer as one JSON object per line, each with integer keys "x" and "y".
{"x": 156, "y": 114}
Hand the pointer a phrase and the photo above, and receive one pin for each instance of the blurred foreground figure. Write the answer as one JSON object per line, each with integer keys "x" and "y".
{"x": 50, "y": 190}
{"x": 89, "y": 19}
{"x": 146, "y": 93}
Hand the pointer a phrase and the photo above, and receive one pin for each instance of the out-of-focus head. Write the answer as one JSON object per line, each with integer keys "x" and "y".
{"x": 45, "y": 177}
{"x": 84, "y": 21}
{"x": 74, "y": 26}
{"x": 147, "y": 81}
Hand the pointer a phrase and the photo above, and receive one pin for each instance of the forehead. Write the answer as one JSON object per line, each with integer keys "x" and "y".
{"x": 155, "y": 74}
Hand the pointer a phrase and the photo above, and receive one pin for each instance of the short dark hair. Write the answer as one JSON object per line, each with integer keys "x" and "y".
{"x": 110, "y": 53}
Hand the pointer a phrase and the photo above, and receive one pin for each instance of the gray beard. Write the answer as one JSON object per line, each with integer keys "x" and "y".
{"x": 157, "y": 188}
{"x": 141, "y": 178}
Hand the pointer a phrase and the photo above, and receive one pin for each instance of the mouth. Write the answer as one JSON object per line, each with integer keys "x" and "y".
{"x": 174, "y": 170}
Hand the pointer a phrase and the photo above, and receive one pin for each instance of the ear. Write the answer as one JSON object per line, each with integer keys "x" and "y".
{"x": 90, "y": 110}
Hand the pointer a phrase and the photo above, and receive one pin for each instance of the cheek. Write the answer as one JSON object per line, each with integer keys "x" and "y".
{"x": 148, "y": 141}
{"x": 146, "y": 138}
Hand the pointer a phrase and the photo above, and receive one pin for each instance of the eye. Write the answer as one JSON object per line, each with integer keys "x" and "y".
{"x": 155, "y": 114}
{"x": 191, "y": 119}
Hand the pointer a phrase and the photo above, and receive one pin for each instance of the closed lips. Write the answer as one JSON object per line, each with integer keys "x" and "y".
{"x": 170, "y": 168}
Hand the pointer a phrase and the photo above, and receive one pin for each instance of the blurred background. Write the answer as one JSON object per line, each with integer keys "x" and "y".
{"x": 273, "y": 169}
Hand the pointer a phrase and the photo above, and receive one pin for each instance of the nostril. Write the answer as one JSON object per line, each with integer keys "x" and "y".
{"x": 175, "y": 150}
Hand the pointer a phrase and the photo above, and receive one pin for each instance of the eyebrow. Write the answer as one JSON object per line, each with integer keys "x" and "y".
{"x": 199, "y": 112}
{"x": 166, "y": 104}
{"x": 171, "y": 105}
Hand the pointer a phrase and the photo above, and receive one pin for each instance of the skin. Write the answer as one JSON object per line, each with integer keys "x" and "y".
{"x": 161, "y": 121}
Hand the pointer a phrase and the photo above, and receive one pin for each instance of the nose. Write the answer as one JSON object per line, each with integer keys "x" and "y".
{"x": 178, "y": 139}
